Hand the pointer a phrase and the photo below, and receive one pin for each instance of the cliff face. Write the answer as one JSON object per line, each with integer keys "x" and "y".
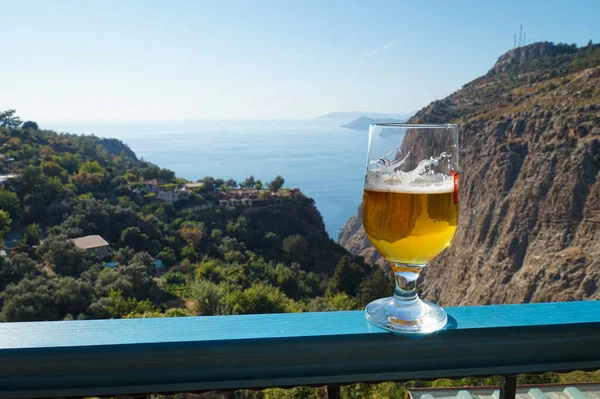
{"x": 529, "y": 224}
{"x": 545, "y": 54}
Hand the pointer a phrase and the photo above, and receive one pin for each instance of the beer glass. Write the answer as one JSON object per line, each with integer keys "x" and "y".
{"x": 410, "y": 214}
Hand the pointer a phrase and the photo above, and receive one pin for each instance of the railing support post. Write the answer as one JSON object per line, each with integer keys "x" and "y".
{"x": 333, "y": 392}
{"x": 508, "y": 387}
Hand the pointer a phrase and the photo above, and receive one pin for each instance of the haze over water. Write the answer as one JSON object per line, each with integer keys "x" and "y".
{"x": 326, "y": 162}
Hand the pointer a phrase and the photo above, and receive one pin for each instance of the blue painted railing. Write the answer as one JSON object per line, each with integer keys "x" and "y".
{"x": 110, "y": 357}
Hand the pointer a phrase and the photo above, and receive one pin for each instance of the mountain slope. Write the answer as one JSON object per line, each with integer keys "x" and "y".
{"x": 529, "y": 225}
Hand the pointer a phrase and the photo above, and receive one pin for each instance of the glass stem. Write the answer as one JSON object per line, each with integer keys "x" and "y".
{"x": 406, "y": 281}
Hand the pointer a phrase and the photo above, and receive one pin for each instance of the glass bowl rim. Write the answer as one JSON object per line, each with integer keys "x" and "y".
{"x": 416, "y": 125}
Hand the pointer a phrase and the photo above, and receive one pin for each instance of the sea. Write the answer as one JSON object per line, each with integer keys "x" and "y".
{"x": 326, "y": 162}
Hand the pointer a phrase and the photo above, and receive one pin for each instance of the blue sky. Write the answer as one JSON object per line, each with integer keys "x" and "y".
{"x": 144, "y": 60}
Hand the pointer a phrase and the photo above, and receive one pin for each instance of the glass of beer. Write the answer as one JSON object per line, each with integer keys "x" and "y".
{"x": 410, "y": 214}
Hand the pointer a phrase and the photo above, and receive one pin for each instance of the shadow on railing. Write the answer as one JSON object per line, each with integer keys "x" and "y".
{"x": 135, "y": 356}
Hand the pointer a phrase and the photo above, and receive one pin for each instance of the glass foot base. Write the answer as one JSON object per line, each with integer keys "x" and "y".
{"x": 412, "y": 317}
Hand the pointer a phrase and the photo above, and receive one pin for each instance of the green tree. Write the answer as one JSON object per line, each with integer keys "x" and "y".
{"x": 122, "y": 307}
{"x": 32, "y": 235}
{"x": 258, "y": 185}
{"x": 14, "y": 271}
{"x": 347, "y": 277}
{"x": 110, "y": 280}
{"x": 149, "y": 172}
{"x": 209, "y": 183}
{"x": 231, "y": 183}
{"x": 229, "y": 244}
{"x": 51, "y": 168}
{"x": 270, "y": 244}
{"x": 30, "y": 125}
{"x": 124, "y": 255}
{"x": 239, "y": 227}
{"x": 8, "y": 119}
{"x": 66, "y": 259}
{"x": 210, "y": 270}
{"x": 70, "y": 162}
{"x": 116, "y": 305}
{"x": 37, "y": 192}
{"x": 259, "y": 298}
{"x": 295, "y": 393}
{"x": 276, "y": 184}
{"x": 30, "y": 300}
{"x": 5, "y": 222}
{"x": 377, "y": 285}
{"x": 295, "y": 246}
{"x": 216, "y": 235}
{"x": 189, "y": 253}
{"x": 167, "y": 255}
{"x": 546, "y": 378}
{"x": 249, "y": 182}
{"x": 234, "y": 257}
{"x": 9, "y": 202}
{"x": 72, "y": 296}
{"x": 192, "y": 233}
{"x": 341, "y": 301}
{"x": 165, "y": 175}
{"x": 91, "y": 167}
{"x": 133, "y": 237}
{"x": 174, "y": 278}
{"x": 140, "y": 274}
{"x": 208, "y": 297}
{"x": 43, "y": 298}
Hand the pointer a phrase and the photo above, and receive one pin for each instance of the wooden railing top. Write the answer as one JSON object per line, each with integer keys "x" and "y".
{"x": 109, "y": 357}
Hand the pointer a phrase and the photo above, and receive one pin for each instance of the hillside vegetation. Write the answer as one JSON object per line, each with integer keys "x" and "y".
{"x": 272, "y": 257}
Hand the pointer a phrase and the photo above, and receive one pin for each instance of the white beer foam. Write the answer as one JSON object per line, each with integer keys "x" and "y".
{"x": 385, "y": 175}
{"x": 380, "y": 183}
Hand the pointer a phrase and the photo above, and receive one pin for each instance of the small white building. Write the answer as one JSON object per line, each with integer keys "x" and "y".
{"x": 172, "y": 196}
{"x": 152, "y": 185}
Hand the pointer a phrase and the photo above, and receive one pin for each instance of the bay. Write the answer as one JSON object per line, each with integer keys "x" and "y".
{"x": 325, "y": 162}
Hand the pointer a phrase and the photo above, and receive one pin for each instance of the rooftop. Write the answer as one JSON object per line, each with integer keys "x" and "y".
{"x": 88, "y": 242}
{"x": 537, "y": 391}
{"x": 153, "y": 182}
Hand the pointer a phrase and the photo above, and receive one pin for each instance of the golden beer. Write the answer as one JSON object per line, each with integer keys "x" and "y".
{"x": 410, "y": 214}
{"x": 410, "y": 228}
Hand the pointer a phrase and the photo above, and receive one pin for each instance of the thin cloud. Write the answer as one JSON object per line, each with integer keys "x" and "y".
{"x": 385, "y": 47}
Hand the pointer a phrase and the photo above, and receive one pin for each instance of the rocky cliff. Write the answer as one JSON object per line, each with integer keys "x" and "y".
{"x": 529, "y": 224}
